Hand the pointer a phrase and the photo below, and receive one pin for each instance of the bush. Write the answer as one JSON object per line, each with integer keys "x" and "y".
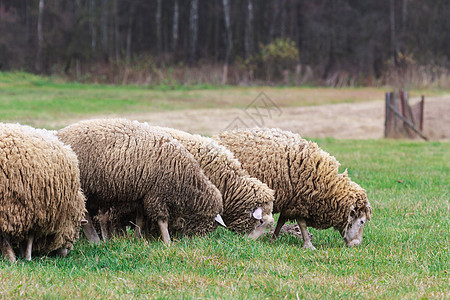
{"x": 278, "y": 58}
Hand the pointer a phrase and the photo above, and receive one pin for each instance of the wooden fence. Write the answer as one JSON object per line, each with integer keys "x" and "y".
{"x": 402, "y": 119}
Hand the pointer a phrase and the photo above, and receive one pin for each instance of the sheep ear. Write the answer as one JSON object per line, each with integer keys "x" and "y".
{"x": 351, "y": 214}
{"x": 257, "y": 214}
{"x": 220, "y": 220}
{"x": 84, "y": 222}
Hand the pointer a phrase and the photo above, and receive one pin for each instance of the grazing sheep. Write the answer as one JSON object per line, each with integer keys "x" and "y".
{"x": 138, "y": 171}
{"x": 41, "y": 203}
{"x": 247, "y": 202}
{"x": 305, "y": 179}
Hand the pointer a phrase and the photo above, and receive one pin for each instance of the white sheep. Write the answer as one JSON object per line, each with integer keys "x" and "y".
{"x": 307, "y": 185}
{"x": 141, "y": 172}
{"x": 247, "y": 202}
{"x": 41, "y": 203}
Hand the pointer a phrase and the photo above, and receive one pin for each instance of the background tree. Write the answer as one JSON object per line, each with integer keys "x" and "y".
{"x": 335, "y": 38}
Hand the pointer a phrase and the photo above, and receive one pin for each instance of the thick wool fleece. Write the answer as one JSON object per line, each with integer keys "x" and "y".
{"x": 304, "y": 177}
{"x": 128, "y": 166}
{"x": 242, "y": 194}
{"x": 39, "y": 189}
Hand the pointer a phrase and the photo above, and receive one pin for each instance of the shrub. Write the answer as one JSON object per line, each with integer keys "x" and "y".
{"x": 279, "y": 56}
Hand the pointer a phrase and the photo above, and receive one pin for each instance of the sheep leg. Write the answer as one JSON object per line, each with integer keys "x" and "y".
{"x": 164, "y": 227}
{"x": 6, "y": 249}
{"x": 281, "y": 220}
{"x": 103, "y": 220}
{"x": 139, "y": 223}
{"x": 305, "y": 234}
{"x": 29, "y": 247}
{"x": 89, "y": 230}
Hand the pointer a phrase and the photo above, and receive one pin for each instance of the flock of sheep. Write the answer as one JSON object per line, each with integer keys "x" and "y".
{"x": 106, "y": 174}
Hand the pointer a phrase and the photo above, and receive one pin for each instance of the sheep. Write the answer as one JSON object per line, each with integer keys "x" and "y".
{"x": 41, "y": 202}
{"x": 305, "y": 179}
{"x": 247, "y": 202}
{"x": 137, "y": 171}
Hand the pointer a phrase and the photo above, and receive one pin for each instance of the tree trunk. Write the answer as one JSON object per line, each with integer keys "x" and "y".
{"x": 176, "y": 15}
{"x": 249, "y": 30}
{"x": 404, "y": 29}
{"x": 393, "y": 37}
{"x": 283, "y": 19}
{"x": 404, "y": 14}
{"x": 226, "y": 11}
{"x": 105, "y": 29}
{"x": 273, "y": 25}
{"x": 92, "y": 27}
{"x": 129, "y": 31}
{"x": 158, "y": 26}
{"x": 116, "y": 32}
{"x": 193, "y": 29}
{"x": 40, "y": 37}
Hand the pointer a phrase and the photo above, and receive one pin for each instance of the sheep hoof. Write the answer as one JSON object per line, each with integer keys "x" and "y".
{"x": 163, "y": 226}
{"x": 6, "y": 249}
{"x": 62, "y": 252}
{"x": 11, "y": 258}
{"x": 309, "y": 246}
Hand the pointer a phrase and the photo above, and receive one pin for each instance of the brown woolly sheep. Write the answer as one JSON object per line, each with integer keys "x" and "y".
{"x": 41, "y": 203}
{"x": 247, "y": 202}
{"x": 305, "y": 179}
{"x": 137, "y": 171}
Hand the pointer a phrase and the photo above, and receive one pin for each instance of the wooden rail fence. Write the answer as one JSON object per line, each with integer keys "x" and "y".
{"x": 403, "y": 120}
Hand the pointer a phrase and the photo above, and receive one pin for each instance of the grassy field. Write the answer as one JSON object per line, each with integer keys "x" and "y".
{"x": 405, "y": 251}
{"x": 404, "y": 254}
{"x": 37, "y": 101}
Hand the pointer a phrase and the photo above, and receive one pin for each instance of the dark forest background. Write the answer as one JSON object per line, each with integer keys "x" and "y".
{"x": 329, "y": 42}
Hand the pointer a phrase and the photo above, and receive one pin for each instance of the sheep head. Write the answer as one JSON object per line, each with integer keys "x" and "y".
{"x": 265, "y": 221}
{"x": 353, "y": 231}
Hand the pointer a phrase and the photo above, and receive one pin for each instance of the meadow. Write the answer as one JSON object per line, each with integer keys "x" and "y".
{"x": 38, "y": 101}
{"x": 404, "y": 254}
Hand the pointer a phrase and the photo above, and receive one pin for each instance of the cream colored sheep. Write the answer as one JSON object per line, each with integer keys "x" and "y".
{"x": 247, "y": 202}
{"x": 138, "y": 171}
{"x": 307, "y": 185}
{"x": 41, "y": 203}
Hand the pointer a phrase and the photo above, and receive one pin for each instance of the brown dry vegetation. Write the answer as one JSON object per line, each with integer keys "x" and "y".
{"x": 343, "y": 120}
{"x": 311, "y": 112}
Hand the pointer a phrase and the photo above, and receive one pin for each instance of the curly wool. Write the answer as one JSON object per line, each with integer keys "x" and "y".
{"x": 242, "y": 194}
{"x": 128, "y": 166}
{"x": 304, "y": 177}
{"x": 39, "y": 189}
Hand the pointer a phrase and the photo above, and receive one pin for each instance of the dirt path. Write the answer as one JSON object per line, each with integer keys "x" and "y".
{"x": 364, "y": 120}
{"x": 346, "y": 120}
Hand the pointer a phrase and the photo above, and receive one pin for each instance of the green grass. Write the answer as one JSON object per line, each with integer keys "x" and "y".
{"x": 404, "y": 254}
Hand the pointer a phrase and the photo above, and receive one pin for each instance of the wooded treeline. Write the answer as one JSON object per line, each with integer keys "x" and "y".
{"x": 360, "y": 40}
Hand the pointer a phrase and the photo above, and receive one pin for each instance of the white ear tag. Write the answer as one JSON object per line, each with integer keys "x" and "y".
{"x": 257, "y": 214}
{"x": 219, "y": 220}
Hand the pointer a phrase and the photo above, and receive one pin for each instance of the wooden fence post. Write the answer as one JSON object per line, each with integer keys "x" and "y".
{"x": 422, "y": 103}
{"x": 406, "y": 125}
{"x": 387, "y": 122}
